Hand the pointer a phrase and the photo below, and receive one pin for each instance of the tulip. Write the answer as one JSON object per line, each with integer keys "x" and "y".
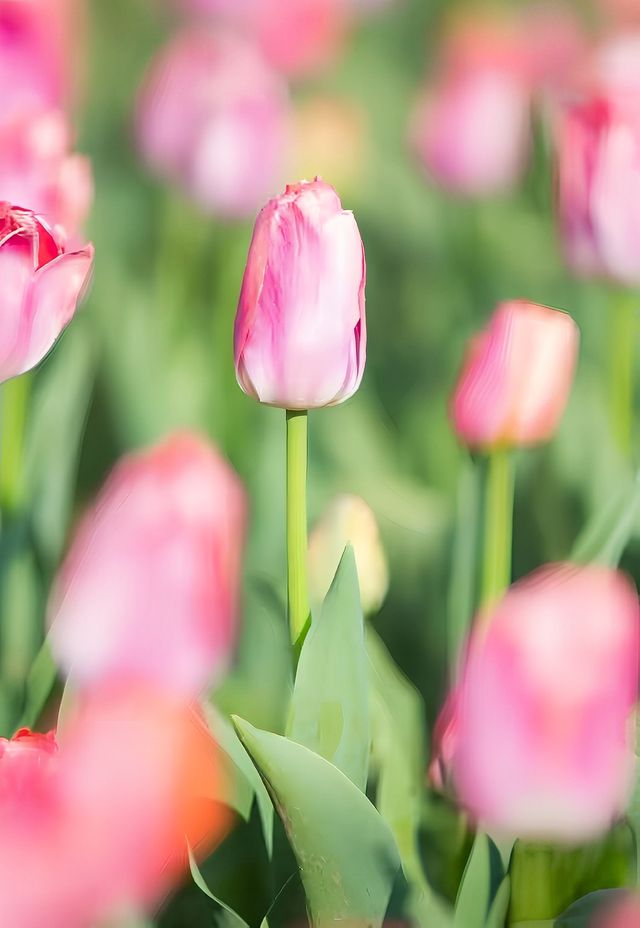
{"x": 348, "y": 520}
{"x": 213, "y": 117}
{"x": 38, "y": 169}
{"x": 300, "y": 332}
{"x": 544, "y": 704}
{"x": 101, "y": 819}
{"x": 149, "y": 588}
{"x": 516, "y": 377}
{"x": 624, "y": 913}
{"x": 42, "y": 283}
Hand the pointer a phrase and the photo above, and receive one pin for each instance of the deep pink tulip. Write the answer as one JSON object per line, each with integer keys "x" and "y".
{"x": 149, "y": 589}
{"x": 544, "y": 704}
{"x": 100, "y": 821}
{"x": 38, "y": 169}
{"x": 516, "y": 377}
{"x": 40, "y": 286}
{"x": 213, "y": 117}
{"x": 300, "y": 331}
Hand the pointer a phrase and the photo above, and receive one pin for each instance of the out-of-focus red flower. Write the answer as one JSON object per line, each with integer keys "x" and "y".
{"x": 300, "y": 330}
{"x": 214, "y": 117}
{"x": 542, "y": 731}
{"x": 149, "y": 589}
{"x": 40, "y": 285}
{"x": 516, "y": 377}
{"x": 38, "y": 169}
{"x": 623, "y": 12}
{"x": 554, "y": 44}
{"x": 101, "y": 821}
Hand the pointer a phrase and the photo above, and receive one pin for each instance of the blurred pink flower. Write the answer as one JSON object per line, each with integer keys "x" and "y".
{"x": 544, "y": 704}
{"x": 42, "y": 283}
{"x": 101, "y": 821}
{"x": 149, "y": 589}
{"x": 213, "y": 117}
{"x": 554, "y": 42}
{"x": 516, "y": 377}
{"x": 598, "y": 146}
{"x": 38, "y": 170}
{"x": 300, "y": 331}
{"x": 623, "y": 914}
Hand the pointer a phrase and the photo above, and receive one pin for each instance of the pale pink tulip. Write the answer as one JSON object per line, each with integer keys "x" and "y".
{"x": 543, "y": 738}
{"x": 516, "y": 377}
{"x": 101, "y": 821}
{"x": 300, "y": 331}
{"x": 38, "y": 170}
{"x": 149, "y": 589}
{"x": 213, "y": 117}
{"x": 40, "y": 285}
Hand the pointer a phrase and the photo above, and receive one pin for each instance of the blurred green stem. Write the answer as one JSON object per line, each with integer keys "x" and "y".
{"x": 297, "y": 595}
{"x": 498, "y": 526}
{"x": 15, "y": 400}
{"x": 623, "y": 339}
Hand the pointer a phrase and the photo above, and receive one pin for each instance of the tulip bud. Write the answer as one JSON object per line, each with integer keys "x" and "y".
{"x": 213, "y": 117}
{"x": 300, "y": 330}
{"x": 149, "y": 589}
{"x": 516, "y": 377}
{"x": 544, "y": 706}
{"x": 40, "y": 286}
{"x": 348, "y": 520}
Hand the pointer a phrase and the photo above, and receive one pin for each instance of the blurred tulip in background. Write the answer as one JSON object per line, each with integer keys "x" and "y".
{"x": 331, "y": 140}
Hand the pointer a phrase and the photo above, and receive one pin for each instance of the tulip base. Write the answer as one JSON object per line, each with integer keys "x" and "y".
{"x": 297, "y": 589}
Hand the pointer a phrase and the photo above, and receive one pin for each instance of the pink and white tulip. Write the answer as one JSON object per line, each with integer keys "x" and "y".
{"x": 214, "y": 118}
{"x": 516, "y": 377}
{"x": 149, "y": 589}
{"x": 41, "y": 283}
{"x": 543, "y": 708}
{"x": 300, "y": 331}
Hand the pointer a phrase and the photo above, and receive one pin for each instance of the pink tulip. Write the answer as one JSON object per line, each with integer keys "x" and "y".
{"x": 41, "y": 284}
{"x": 101, "y": 821}
{"x": 38, "y": 169}
{"x": 623, "y": 913}
{"x": 544, "y": 703}
{"x": 471, "y": 127}
{"x": 149, "y": 588}
{"x": 516, "y": 377}
{"x": 214, "y": 118}
{"x": 598, "y": 143}
{"x": 300, "y": 331}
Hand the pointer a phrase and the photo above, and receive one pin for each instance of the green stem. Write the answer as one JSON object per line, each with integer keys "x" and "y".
{"x": 15, "y": 400}
{"x": 623, "y": 339}
{"x": 297, "y": 595}
{"x": 498, "y": 526}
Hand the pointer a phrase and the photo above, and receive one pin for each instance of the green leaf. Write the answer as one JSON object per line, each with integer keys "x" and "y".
{"x": 607, "y": 534}
{"x": 461, "y": 599}
{"x": 581, "y": 913}
{"x": 330, "y": 704}
{"x": 40, "y": 682}
{"x": 482, "y": 883}
{"x": 346, "y": 853}
{"x": 228, "y": 918}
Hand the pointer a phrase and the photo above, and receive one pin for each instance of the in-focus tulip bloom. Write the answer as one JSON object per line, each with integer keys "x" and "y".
{"x": 598, "y": 145}
{"x": 101, "y": 821}
{"x": 37, "y": 168}
{"x": 543, "y": 737}
{"x": 516, "y": 377}
{"x": 348, "y": 520}
{"x": 214, "y": 117}
{"x": 300, "y": 331}
{"x": 40, "y": 285}
{"x": 471, "y": 127}
{"x": 149, "y": 589}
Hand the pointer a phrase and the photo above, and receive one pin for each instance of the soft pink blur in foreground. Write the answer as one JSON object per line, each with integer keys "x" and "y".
{"x": 41, "y": 285}
{"x": 542, "y": 729}
{"x": 213, "y": 117}
{"x": 300, "y": 331}
{"x": 149, "y": 589}
{"x": 101, "y": 822}
{"x": 626, "y": 914}
{"x": 516, "y": 377}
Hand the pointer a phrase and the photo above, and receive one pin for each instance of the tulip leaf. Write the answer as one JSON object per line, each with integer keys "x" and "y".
{"x": 581, "y": 913}
{"x": 606, "y": 535}
{"x": 330, "y": 705}
{"x": 227, "y": 918}
{"x": 481, "y": 885}
{"x": 40, "y": 682}
{"x": 346, "y": 853}
{"x": 462, "y": 592}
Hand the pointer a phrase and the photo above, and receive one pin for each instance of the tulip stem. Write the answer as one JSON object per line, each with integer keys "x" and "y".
{"x": 498, "y": 526}
{"x": 623, "y": 338}
{"x": 15, "y": 400}
{"x": 297, "y": 592}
